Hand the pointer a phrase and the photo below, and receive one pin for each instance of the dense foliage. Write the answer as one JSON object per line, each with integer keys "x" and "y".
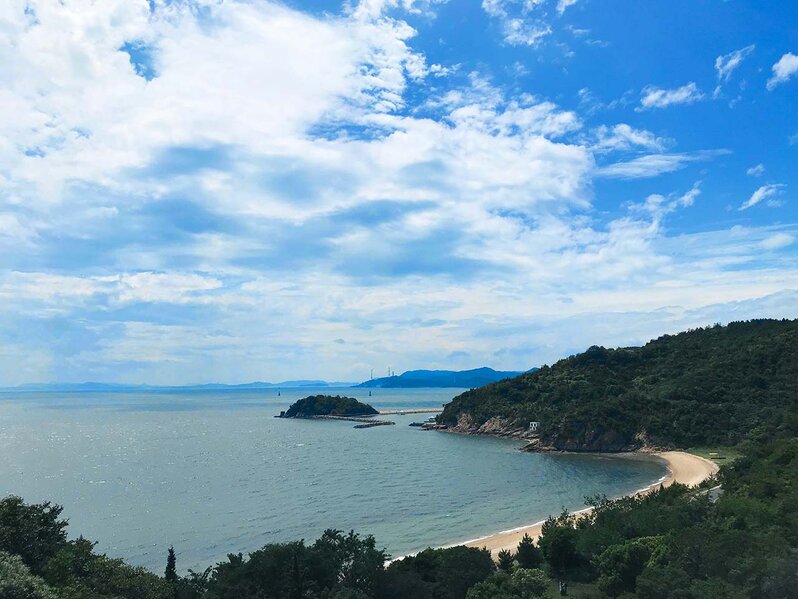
{"x": 35, "y": 553}
{"x": 692, "y": 544}
{"x": 707, "y": 386}
{"x": 336, "y": 565}
{"x": 38, "y": 562}
{"x": 438, "y": 574}
{"x": 328, "y": 405}
{"x": 17, "y": 581}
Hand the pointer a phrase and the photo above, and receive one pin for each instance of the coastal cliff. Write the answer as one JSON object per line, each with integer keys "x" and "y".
{"x": 587, "y": 440}
{"x": 704, "y": 386}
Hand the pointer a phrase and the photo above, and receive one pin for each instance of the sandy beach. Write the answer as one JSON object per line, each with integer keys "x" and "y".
{"x": 683, "y": 468}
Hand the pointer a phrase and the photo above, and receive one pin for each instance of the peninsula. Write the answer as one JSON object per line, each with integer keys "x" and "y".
{"x": 705, "y": 387}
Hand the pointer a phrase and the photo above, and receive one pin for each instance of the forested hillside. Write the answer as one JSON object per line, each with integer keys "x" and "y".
{"x": 705, "y": 386}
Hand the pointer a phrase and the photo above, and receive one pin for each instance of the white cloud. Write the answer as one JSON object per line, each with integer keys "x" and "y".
{"x": 756, "y": 171}
{"x": 763, "y": 193}
{"x": 778, "y": 241}
{"x": 172, "y": 287}
{"x": 653, "y": 165}
{"x": 659, "y": 206}
{"x": 77, "y": 100}
{"x": 562, "y": 5}
{"x": 263, "y": 197}
{"x": 564, "y": 275}
{"x": 519, "y": 33}
{"x": 654, "y": 97}
{"x": 523, "y": 22}
{"x": 689, "y": 198}
{"x": 726, "y": 64}
{"x": 374, "y": 9}
{"x": 786, "y": 67}
{"x": 15, "y": 230}
{"x": 623, "y": 137}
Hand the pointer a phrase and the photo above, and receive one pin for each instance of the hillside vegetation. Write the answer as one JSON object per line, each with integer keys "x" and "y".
{"x": 709, "y": 386}
{"x": 328, "y": 405}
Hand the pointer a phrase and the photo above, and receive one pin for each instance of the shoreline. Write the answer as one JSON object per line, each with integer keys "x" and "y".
{"x": 683, "y": 468}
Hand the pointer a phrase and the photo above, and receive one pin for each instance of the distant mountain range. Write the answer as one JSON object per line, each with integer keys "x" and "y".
{"x": 44, "y": 387}
{"x": 464, "y": 379}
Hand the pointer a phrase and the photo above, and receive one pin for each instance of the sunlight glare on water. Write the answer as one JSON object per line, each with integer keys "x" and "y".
{"x": 214, "y": 472}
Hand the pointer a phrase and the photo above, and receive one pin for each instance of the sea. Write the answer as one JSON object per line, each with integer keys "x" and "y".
{"x": 213, "y": 472}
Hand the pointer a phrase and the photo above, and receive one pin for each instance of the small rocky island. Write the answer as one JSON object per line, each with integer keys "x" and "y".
{"x": 315, "y": 406}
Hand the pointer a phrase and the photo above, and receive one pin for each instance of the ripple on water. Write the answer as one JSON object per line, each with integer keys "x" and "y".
{"x": 214, "y": 476}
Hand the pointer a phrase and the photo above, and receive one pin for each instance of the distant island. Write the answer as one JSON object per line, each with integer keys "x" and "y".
{"x": 327, "y": 405}
{"x": 463, "y": 379}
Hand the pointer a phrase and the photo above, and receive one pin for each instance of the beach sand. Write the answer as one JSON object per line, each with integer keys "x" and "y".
{"x": 683, "y": 468}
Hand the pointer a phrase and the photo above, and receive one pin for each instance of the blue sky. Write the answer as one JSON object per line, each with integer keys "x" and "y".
{"x": 207, "y": 190}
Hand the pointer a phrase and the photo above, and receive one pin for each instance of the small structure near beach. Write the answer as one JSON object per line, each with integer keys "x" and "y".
{"x": 534, "y": 426}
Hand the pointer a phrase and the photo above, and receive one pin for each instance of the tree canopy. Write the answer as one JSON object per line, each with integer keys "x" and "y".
{"x": 328, "y": 405}
{"x": 709, "y": 386}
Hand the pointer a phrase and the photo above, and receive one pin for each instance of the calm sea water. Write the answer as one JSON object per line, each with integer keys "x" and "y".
{"x": 214, "y": 472}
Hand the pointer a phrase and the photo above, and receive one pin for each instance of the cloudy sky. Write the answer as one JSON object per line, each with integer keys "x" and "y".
{"x": 208, "y": 190}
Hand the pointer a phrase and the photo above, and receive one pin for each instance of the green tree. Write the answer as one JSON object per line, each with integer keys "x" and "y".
{"x": 530, "y": 582}
{"x": 528, "y": 555}
{"x": 521, "y": 584}
{"x": 33, "y": 532}
{"x": 347, "y": 561}
{"x": 494, "y": 587}
{"x": 194, "y": 585}
{"x": 505, "y": 560}
{"x": 620, "y": 565}
{"x": 336, "y": 563}
{"x": 438, "y": 573}
{"x": 171, "y": 565}
{"x": 558, "y": 544}
{"x": 78, "y": 573}
{"x": 17, "y": 582}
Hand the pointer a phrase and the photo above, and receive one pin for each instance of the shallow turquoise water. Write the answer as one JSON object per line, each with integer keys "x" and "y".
{"x": 214, "y": 472}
